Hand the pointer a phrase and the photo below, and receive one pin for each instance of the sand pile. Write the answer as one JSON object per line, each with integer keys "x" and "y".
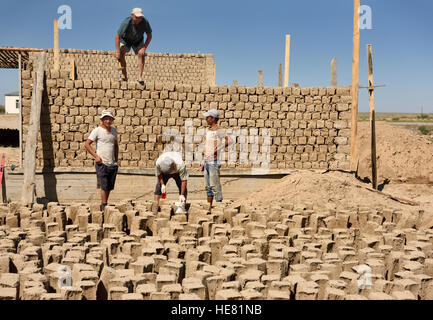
{"x": 403, "y": 154}
{"x": 330, "y": 190}
{"x": 335, "y": 191}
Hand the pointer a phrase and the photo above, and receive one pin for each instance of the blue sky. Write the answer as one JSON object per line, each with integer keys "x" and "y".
{"x": 248, "y": 35}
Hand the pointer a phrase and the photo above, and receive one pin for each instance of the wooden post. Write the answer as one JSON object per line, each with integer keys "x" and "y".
{"x": 334, "y": 81}
{"x": 20, "y": 84}
{"x": 56, "y": 45}
{"x": 287, "y": 61}
{"x": 29, "y": 185}
{"x": 235, "y": 83}
{"x": 72, "y": 68}
{"x": 372, "y": 116}
{"x": 260, "y": 78}
{"x": 280, "y": 76}
{"x": 3, "y": 178}
{"x": 355, "y": 88}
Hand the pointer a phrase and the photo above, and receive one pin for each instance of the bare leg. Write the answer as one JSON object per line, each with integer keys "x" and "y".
{"x": 209, "y": 200}
{"x": 123, "y": 63}
{"x": 104, "y": 195}
{"x": 104, "y": 199}
{"x": 141, "y": 65}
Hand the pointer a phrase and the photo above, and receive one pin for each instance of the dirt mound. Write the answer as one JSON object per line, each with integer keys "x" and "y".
{"x": 330, "y": 190}
{"x": 402, "y": 154}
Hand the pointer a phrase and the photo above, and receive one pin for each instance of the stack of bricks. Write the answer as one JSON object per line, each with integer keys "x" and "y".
{"x": 309, "y": 128}
{"x": 286, "y": 251}
{"x": 189, "y": 68}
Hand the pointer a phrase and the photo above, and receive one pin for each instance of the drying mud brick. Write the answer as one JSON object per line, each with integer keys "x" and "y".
{"x": 248, "y": 251}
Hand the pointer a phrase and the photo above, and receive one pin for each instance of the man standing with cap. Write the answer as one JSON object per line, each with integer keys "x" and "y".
{"x": 106, "y": 155}
{"x": 130, "y": 34}
{"x": 215, "y": 136}
{"x": 170, "y": 165}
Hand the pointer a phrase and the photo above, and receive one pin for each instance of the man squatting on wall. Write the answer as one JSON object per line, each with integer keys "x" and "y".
{"x": 130, "y": 34}
{"x": 106, "y": 155}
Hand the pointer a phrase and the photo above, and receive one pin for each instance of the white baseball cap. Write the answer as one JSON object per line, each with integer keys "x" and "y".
{"x": 212, "y": 113}
{"x": 137, "y": 12}
{"x": 106, "y": 113}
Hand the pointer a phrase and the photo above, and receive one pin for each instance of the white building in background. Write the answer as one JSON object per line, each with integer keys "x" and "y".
{"x": 12, "y": 103}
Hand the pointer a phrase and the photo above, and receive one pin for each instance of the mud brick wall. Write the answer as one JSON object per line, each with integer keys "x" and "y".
{"x": 188, "y": 68}
{"x": 309, "y": 127}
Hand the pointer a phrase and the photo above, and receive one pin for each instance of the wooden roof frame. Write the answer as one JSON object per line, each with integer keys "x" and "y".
{"x": 9, "y": 56}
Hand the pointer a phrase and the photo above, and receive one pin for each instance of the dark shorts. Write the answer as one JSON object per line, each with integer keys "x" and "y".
{"x": 127, "y": 48}
{"x": 106, "y": 176}
{"x": 165, "y": 178}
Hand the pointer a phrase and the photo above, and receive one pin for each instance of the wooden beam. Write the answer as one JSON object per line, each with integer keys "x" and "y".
{"x": 3, "y": 178}
{"x": 56, "y": 45}
{"x": 373, "y": 87}
{"x": 21, "y": 49}
{"x": 334, "y": 81}
{"x": 280, "y": 76}
{"x": 260, "y": 78}
{"x": 287, "y": 61}
{"x": 355, "y": 89}
{"x": 372, "y": 116}
{"x": 390, "y": 196}
{"x": 29, "y": 185}
{"x": 72, "y": 67}
{"x": 20, "y": 84}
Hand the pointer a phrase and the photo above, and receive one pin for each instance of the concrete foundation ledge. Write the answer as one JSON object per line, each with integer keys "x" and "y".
{"x": 79, "y": 184}
{"x": 151, "y": 171}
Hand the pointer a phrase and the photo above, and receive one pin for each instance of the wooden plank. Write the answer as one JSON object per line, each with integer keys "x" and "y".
{"x": 372, "y": 116}
{"x": 355, "y": 89}
{"x": 56, "y": 45}
{"x": 390, "y": 196}
{"x": 29, "y": 185}
{"x": 287, "y": 61}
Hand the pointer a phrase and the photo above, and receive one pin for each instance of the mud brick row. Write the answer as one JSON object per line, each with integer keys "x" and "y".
{"x": 100, "y": 65}
{"x": 309, "y": 128}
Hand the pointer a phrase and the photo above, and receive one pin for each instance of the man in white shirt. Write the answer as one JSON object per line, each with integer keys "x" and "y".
{"x": 106, "y": 155}
{"x": 170, "y": 165}
{"x": 216, "y": 141}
